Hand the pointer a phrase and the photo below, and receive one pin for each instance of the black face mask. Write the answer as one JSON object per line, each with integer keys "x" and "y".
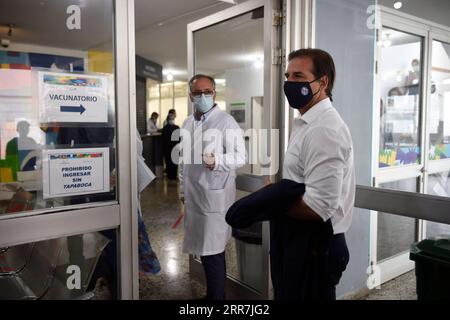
{"x": 299, "y": 94}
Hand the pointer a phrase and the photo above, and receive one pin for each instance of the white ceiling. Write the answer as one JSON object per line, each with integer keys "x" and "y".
{"x": 160, "y": 25}
{"x": 164, "y": 40}
{"x": 233, "y": 44}
{"x": 43, "y": 22}
{"x": 437, "y": 11}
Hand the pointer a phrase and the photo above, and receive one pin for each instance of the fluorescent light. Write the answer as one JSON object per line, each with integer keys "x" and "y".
{"x": 398, "y": 5}
{"x": 387, "y": 42}
{"x": 259, "y": 63}
{"x": 170, "y": 77}
{"x": 228, "y": 1}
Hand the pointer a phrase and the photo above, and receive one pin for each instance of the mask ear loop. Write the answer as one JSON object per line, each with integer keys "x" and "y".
{"x": 317, "y": 79}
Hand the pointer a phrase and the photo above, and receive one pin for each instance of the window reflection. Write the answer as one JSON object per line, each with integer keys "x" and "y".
{"x": 400, "y": 71}
{"x": 439, "y": 185}
{"x": 73, "y": 62}
{"x": 439, "y": 107}
{"x": 395, "y": 233}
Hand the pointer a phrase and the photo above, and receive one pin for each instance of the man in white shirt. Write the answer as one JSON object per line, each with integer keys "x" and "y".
{"x": 320, "y": 153}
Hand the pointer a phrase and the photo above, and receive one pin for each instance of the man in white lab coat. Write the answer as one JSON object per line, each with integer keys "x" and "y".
{"x": 212, "y": 149}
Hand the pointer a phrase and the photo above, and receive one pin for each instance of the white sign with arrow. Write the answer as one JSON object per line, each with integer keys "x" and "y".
{"x": 69, "y": 97}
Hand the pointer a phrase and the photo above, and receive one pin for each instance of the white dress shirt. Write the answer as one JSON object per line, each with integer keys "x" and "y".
{"x": 151, "y": 126}
{"x": 320, "y": 155}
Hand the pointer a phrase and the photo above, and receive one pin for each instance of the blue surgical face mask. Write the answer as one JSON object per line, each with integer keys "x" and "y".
{"x": 203, "y": 103}
{"x": 299, "y": 94}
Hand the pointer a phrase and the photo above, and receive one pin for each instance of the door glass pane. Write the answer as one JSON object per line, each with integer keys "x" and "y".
{"x": 395, "y": 233}
{"x": 400, "y": 88}
{"x": 59, "y": 269}
{"x": 57, "y": 104}
{"x": 236, "y": 61}
{"x": 439, "y": 185}
{"x": 439, "y": 110}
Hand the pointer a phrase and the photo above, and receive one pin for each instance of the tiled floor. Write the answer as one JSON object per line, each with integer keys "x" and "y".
{"x": 160, "y": 209}
{"x": 401, "y": 288}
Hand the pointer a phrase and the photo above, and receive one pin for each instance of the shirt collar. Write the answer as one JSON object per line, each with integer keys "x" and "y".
{"x": 312, "y": 114}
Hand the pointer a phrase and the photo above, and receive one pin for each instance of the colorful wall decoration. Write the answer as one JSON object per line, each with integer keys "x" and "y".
{"x": 440, "y": 151}
{"x": 399, "y": 156}
{"x": 25, "y": 60}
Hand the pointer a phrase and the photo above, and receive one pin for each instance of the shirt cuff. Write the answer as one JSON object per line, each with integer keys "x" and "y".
{"x": 216, "y": 161}
{"x": 313, "y": 206}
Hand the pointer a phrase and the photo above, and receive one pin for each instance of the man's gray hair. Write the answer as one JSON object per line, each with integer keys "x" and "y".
{"x": 199, "y": 76}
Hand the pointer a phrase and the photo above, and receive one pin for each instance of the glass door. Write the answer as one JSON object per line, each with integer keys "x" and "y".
{"x": 66, "y": 149}
{"x": 400, "y": 68}
{"x": 236, "y": 47}
{"x": 437, "y": 180}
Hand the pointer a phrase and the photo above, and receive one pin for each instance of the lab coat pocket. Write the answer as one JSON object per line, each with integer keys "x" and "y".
{"x": 215, "y": 201}
{"x": 218, "y": 180}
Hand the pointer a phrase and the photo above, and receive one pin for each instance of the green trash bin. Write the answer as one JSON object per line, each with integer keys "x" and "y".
{"x": 432, "y": 258}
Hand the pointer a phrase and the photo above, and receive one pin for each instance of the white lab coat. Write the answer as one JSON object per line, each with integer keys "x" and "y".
{"x": 208, "y": 194}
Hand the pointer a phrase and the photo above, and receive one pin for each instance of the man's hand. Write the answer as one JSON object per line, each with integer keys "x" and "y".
{"x": 209, "y": 161}
{"x": 182, "y": 200}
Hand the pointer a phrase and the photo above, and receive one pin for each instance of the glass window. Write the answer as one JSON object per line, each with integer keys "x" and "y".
{"x": 400, "y": 88}
{"x": 439, "y": 185}
{"x": 166, "y": 96}
{"x": 439, "y": 107}
{"x": 395, "y": 233}
{"x": 61, "y": 268}
{"x": 153, "y": 100}
{"x": 57, "y": 105}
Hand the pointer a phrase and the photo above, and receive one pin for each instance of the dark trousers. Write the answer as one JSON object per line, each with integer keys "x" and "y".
{"x": 215, "y": 272}
{"x": 338, "y": 258}
{"x": 171, "y": 168}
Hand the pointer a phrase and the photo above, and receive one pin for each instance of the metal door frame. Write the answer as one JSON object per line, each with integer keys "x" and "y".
{"x": 399, "y": 264}
{"x": 249, "y": 183}
{"x": 66, "y": 221}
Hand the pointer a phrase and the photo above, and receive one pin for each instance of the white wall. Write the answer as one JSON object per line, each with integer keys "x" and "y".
{"x": 341, "y": 30}
{"x": 437, "y": 11}
{"x": 243, "y": 84}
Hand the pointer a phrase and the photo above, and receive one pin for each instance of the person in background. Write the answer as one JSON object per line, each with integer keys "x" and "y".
{"x": 21, "y": 152}
{"x": 151, "y": 123}
{"x": 320, "y": 154}
{"x": 171, "y": 113}
{"x": 168, "y": 145}
{"x": 207, "y": 184}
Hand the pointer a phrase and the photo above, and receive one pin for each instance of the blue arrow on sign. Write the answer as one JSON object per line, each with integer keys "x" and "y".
{"x": 79, "y": 109}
